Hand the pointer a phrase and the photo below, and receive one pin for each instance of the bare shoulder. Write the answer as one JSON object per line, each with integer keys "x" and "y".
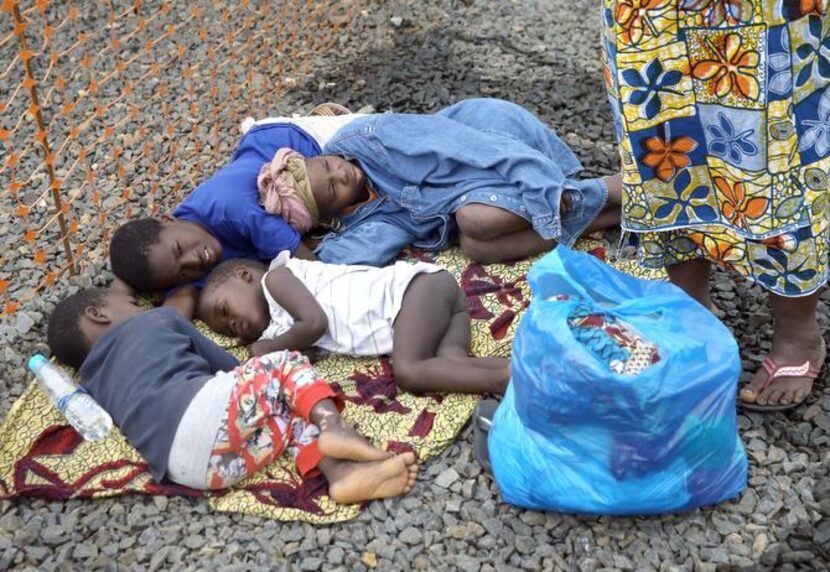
{"x": 280, "y": 280}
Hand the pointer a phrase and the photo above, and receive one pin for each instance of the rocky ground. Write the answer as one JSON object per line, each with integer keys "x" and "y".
{"x": 419, "y": 56}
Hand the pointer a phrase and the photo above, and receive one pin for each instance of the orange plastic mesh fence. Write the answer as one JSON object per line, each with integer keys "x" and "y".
{"x": 111, "y": 109}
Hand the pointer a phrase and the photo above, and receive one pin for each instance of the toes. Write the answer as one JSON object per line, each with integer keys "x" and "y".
{"x": 793, "y": 396}
{"x": 799, "y": 395}
{"x": 748, "y": 395}
{"x": 774, "y": 396}
{"x": 408, "y": 458}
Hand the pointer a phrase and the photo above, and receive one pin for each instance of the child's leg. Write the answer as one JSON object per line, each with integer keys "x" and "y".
{"x": 422, "y": 323}
{"x": 351, "y": 482}
{"x": 456, "y": 341}
{"x": 313, "y": 402}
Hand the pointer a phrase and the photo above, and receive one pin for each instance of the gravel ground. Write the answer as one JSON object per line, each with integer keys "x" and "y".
{"x": 420, "y": 56}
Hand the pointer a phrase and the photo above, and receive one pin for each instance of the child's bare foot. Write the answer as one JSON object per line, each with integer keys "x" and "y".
{"x": 351, "y": 482}
{"x": 340, "y": 440}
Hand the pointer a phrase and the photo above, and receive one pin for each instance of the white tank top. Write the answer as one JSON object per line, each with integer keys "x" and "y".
{"x": 360, "y": 302}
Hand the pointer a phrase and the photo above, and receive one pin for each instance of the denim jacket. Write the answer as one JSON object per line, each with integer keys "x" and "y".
{"x": 426, "y": 167}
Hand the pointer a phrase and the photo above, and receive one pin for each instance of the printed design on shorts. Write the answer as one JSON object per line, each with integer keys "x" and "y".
{"x": 260, "y": 421}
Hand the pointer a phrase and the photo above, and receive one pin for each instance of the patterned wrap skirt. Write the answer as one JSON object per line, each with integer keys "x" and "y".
{"x": 722, "y": 112}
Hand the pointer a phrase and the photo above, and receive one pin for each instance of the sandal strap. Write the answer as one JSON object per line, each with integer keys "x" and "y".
{"x": 775, "y": 371}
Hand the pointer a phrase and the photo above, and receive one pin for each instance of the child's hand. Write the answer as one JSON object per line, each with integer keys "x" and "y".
{"x": 183, "y": 300}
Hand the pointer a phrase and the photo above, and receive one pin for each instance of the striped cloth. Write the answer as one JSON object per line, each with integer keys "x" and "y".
{"x": 360, "y": 302}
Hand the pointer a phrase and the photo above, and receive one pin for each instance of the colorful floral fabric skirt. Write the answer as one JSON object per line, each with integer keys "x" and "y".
{"x": 722, "y": 111}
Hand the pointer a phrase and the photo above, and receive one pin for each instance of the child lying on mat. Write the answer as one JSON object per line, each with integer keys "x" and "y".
{"x": 201, "y": 419}
{"x": 415, "y": 311}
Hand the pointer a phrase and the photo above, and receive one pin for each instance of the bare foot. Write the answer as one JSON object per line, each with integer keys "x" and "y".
{"x": 340, "y": 440}
{"x": 351, "y": 482}
{"x": 786, "y": 351}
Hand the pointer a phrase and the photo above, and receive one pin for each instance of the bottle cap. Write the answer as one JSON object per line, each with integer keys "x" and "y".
{"x": 36, "y": 361}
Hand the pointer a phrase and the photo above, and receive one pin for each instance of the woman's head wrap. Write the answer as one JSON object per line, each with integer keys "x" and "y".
{"x": 284, "y": 189}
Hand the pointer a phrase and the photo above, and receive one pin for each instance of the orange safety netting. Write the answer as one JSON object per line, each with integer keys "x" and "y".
{"x": 113, "y": 109}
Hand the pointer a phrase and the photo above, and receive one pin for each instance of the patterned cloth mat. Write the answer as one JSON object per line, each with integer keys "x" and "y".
{"x": 41, "y": 456}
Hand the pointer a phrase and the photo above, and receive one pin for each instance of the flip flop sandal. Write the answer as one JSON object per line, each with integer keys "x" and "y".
{"x": 329, "y": 109}
{"x": 775, "y": 371}
{"x": 482, "y": 421}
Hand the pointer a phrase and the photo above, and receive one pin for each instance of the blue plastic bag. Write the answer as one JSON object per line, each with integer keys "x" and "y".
{"x": 622, "y": 399}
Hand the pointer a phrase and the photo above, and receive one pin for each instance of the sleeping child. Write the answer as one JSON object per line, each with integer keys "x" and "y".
{"x": 415, "y": 311}
{"x": 202, "y": 420}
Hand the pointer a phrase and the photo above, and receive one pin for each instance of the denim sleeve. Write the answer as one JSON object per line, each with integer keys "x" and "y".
{"x": 373, "y": 243}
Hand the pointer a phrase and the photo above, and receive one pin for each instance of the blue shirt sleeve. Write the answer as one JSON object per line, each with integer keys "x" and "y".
{"x": 228, "y": 205}
{"x": 263, "y": 141}
{"x": 268, "y": 233}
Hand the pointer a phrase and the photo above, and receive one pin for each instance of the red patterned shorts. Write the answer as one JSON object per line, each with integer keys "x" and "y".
{"x": 267, "y": 414}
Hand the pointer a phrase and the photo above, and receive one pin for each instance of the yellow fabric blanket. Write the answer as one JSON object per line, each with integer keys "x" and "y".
{"x": 41, "y": 456}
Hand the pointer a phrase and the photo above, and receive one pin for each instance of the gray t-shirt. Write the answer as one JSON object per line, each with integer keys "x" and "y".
{"x": 145, "y": 372}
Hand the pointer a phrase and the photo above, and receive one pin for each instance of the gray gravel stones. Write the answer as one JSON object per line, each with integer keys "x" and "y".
{"x": 404, "y": 55}
{"x": 446, "y": 478}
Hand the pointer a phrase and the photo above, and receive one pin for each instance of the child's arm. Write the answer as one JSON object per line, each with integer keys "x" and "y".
{"x": 183, "y": 300}
{"x": 310, "y": 322}
{"x": 304, "y": 252}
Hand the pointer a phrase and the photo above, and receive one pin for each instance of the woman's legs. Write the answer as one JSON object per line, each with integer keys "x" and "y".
{"x": 490, "y": 234}
{"x": 430, "y": 347}
{"x": 521, "y": 244}
{"x": 693, "y": 277}
{"x": 796, "y": 339}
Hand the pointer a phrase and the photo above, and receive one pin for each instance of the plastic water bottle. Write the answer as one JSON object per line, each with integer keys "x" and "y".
{"x": 77, "y": 406}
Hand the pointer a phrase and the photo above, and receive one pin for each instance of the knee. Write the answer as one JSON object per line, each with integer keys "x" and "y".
{"x": 472, "y": 222}
{"x": 406, "y": 375}
{"x": 476, "y": 250}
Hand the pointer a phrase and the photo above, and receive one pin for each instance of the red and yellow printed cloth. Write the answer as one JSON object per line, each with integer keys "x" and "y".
{"x": 41, "y": 456}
